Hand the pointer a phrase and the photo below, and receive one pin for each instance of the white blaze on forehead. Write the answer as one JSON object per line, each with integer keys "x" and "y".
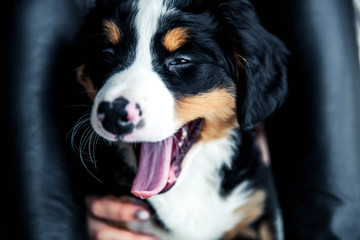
{"x": 149, "y": 12}
{"x": 146, "y": 22}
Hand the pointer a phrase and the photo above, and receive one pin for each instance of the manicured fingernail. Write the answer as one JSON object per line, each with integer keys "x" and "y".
{"x": 142, "y": 215}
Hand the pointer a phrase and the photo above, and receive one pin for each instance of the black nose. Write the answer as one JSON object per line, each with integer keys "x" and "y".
{"x": 114, "y": 117}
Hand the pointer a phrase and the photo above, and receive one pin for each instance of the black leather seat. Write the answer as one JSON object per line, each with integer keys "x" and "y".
{"x": 40, "y": 198}
{"x": 314, "y": 138}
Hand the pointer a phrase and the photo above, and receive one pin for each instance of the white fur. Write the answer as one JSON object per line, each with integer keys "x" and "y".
{"x": 193, "y": 209}
{"x": 140, "y": 84}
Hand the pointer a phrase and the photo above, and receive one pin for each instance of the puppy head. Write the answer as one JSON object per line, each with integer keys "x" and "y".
{"x": 177, "y": 72}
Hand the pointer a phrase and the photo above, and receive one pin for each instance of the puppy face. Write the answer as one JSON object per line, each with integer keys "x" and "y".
{"x": 176, "y": 72}
{"x": 154, "y": 69}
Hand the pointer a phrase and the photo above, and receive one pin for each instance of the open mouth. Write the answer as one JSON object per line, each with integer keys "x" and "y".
{"x": 160, "y": 163}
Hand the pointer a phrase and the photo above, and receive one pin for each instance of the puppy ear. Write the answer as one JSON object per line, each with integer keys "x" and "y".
{"x": 260, "y": 63}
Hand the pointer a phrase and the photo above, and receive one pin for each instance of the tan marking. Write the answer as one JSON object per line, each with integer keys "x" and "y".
{"x": 175, "y": 38}
{"x": 239, "y": 63}
{"x": 239, "y": 60}
{"x": 112, "y": 31}
{"x": 252, "y": 210}
{"x": 86, "y": 82}
{"x": 216, "y": 107}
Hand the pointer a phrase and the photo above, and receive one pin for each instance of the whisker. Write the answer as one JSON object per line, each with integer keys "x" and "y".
{"x": 85, "y": 139}
{"x": 83, "y": 142}
{"x": 84, "y": 121}
{"x": 87, "y": 144}
{"x": 92, "y": 148}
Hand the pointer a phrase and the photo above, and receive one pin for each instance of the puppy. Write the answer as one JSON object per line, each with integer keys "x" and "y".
{"x": 183, "y": 85}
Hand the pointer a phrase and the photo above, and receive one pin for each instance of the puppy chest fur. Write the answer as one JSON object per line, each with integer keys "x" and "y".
{"x": 195, "y": 208}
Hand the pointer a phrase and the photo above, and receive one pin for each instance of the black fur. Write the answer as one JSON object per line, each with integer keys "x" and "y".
{"x": 261, "y": 81}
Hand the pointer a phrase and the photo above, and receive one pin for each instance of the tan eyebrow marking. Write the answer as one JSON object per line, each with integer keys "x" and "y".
{"x": 175, "y": 38}
{"x": 112, "y": 31}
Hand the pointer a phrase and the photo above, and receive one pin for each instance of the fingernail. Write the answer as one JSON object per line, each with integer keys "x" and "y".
{"x": 142, "y": 215}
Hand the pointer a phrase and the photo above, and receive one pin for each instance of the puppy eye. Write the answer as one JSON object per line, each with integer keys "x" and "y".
{"x": 178, "y": 61}
{"x": 108, "y": 54}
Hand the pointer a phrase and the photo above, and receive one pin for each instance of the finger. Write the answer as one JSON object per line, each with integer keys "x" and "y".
{"x": 111, "y": 209}
{"x": 101, "y": 231}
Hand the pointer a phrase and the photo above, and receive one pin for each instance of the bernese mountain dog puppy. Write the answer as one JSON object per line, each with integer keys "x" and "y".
{"x": 180, "y": 86}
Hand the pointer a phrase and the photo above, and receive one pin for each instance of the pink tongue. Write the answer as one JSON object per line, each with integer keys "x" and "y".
{"x": 154, "y": 167}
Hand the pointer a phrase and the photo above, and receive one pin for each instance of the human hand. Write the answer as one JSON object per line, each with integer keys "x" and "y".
{"x": 104, "y": 210}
